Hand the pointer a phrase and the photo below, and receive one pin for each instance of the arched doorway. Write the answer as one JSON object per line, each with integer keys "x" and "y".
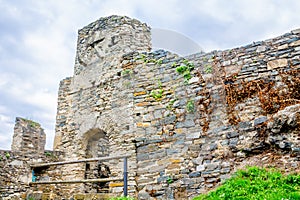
{"x": 96, "y": 144}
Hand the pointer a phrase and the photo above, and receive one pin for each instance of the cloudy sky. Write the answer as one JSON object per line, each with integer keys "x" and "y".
{"x": 38, "y": 41}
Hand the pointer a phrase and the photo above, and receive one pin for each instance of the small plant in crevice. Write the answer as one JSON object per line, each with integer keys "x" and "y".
{"x": 153, "y": 60}
{"x": 146, "y": 60}
{"x": 32, "y": 124}
{"x": 159, "y": 84}
{"x": 1, "y": 157}
{"x": 7, "y": 155}
{"x": 142, "y": 57}
{"x": 204, "y": 59}
{"x": 48, "y": 154}
{"x": 208, "y": 69}
{"x": 159, "y": 61}
{"x": 170, "y": 180}
{"x": 185, "y": 70}
{"x": 175, "y": 64}
{"x": 157, "y": 94}
{"x": 190, "y": 106}
{"x": 126, "y": 72}
{"x": 127, "y": 84}
{"x": 171, "y": 103}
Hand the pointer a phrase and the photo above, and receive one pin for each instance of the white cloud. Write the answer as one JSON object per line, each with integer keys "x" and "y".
{"x": 6, "y": 125}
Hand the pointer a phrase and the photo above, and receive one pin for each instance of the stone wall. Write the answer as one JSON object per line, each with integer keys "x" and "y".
{"x": 16, "y": 174}
{"x": 193, "y": 132}
{"x": 187, "y": 123}
{"x": 27, "y": 148}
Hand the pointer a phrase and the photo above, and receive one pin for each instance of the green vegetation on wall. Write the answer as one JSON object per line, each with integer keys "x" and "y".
{"x": 32, "y": 123}
{"x": 126, "y": 72}
{"x": 157, "y": 94}
{"x": 185, "y": 70}
{"x": 208, "y": 69}
{"x": 7, "y": 155}
{"x": 190, "y": 106}
{"x": 146, "y": 60}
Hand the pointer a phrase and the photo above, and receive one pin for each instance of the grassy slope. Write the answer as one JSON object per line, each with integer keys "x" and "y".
{"x": 257, "y": 184}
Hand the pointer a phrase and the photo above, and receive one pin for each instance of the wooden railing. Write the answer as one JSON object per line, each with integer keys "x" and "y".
{"x": 124, "y": 178}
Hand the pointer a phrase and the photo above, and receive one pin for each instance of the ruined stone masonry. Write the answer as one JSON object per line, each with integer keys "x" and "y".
{"x": 187, "y": 122}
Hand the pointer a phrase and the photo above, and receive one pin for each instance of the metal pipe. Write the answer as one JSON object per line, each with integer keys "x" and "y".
{"x": 125, "y": 177}
{"x": 33, "y": 176}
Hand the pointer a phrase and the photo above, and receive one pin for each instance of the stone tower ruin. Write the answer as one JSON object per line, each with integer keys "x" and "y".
{"x": 28, "y": 137}
{"x": 83, "y": 108}
{"x": 94, "y": 117}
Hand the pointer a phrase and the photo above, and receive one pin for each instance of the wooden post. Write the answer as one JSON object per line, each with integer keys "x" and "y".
{"x": 35, "y": 165}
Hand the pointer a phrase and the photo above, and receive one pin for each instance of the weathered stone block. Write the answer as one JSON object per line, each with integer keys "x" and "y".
{"x": 143, "y": 125}
{"x": 278, "y": 63}
{"x": 260, "y": 120}
{"x": 200, "y": 168}
{"x": 211, "y": 166}
{"x": 139, "y": 93}
{"x": 193, "y": 135}
{"x": 195, "y": 174}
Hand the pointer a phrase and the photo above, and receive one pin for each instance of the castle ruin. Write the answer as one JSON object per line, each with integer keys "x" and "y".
{"x": 185, "y": 123}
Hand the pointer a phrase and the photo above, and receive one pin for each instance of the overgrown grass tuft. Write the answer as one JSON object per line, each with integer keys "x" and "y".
{"x": 121, "y": 198}
{"x": 257, "y": 184}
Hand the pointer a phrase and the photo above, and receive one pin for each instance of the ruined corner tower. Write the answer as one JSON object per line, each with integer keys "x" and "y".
{"x": 29, "y": 137}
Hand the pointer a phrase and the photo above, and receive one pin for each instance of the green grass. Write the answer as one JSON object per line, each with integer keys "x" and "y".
{"x": 121, "y": 198}
{"x": 257, "y": 184}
